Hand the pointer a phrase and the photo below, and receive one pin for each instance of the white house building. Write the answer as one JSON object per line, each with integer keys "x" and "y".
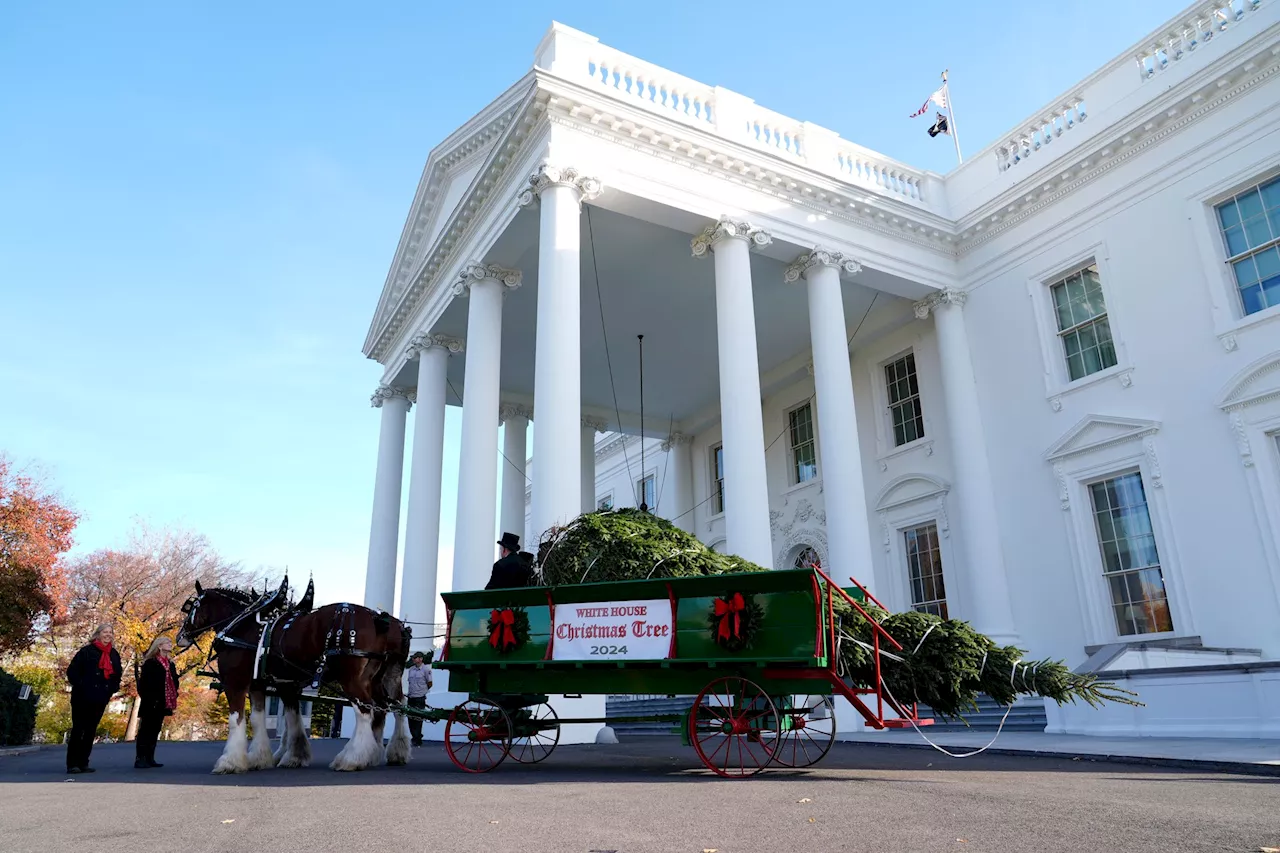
{"x": 1040, "y": 393}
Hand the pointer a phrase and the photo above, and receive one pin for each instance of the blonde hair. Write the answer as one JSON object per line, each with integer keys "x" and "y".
{"x": 98, "y": 631}
{"x": 155, "y": 647}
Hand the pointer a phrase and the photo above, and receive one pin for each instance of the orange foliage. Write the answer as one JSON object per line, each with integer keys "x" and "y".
{"x": 35, "y": 530}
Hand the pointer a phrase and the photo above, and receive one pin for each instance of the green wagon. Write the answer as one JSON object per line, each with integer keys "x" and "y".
{"x": 757, "y": 649}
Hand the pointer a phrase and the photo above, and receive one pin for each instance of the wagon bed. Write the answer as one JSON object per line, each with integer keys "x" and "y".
{"x": 759, "y": 650}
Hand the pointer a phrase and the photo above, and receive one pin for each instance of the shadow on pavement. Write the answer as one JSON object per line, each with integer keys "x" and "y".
{"x": 644, "y": 759}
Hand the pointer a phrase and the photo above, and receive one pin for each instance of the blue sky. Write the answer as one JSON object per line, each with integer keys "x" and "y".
{"x": 199, "y": 203}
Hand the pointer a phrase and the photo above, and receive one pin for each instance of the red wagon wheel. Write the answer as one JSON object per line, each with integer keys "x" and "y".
{"x": 478, "y": 736}
{"x": 727, "y": 723}
{"x": 807, "y": 732}
{"x": 543, "y": 727}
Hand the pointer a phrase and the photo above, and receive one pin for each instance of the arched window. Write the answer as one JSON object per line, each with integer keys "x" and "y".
{"x": 807, "y": 558}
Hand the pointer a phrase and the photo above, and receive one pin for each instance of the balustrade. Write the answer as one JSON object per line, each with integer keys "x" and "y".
{"x": 1197, "y": 30}
{"x": 1041, "y": 133}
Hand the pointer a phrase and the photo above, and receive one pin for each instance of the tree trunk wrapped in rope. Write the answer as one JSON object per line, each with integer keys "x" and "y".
{"x": 944, "y": 663}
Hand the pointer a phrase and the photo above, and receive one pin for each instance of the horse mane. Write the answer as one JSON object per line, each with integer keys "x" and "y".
{"x": 239, "y": 595}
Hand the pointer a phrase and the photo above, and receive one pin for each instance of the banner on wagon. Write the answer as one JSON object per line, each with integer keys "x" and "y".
{"x": 613, "y": 630}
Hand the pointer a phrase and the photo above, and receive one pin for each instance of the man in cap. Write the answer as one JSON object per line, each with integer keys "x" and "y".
{"x": 510, "y": 571}
{"x": 419, "y": 683}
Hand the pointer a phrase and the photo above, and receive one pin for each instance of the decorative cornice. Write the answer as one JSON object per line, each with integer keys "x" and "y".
{"x": 757, "y": 238}
{"x": 820, "y": 257}
{"x": 548, "y": 176}
{"x": 945, "y": 296}
{"x": 424, "y": 341}
{"x": 507, "y": 411}
{"x": 474, "y": 273}
{"x": 597, "y": 424}
{"x": 1256, "y": 384}
{"x": 612, "y": 444}
{"x": 388, "y": 392}
{"x": 676, "y": 439}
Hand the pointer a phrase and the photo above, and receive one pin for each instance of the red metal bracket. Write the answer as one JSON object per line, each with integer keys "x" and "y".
{"x": 671, "y": 596}
{"x": 551, "y": 636}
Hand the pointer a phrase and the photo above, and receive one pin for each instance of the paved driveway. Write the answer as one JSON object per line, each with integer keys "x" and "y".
{"x": 646, "y": 794}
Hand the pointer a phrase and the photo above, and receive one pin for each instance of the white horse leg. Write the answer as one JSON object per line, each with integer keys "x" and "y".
{"x": 282, "y": 749}
{"x": 297, "y": 749}
{"x": 260, "y": 756}
{"x": 378, "y": 726}
{"x": 398, "y": 751}
{"x": 235, "y": 756}
{"x": 362, "y": 750}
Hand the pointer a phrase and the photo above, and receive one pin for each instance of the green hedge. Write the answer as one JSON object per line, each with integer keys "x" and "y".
{"x": 17, "y": 716}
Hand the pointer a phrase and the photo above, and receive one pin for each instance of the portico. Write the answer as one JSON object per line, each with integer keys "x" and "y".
{"x": 564, "y": 245}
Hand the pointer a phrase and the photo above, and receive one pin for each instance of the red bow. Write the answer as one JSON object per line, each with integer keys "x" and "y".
{"x": 503, "y": 633}
{"x": 730, "y": 611}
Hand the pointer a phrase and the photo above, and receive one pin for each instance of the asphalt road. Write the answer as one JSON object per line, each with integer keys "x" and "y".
{"x": 646, "y": 794}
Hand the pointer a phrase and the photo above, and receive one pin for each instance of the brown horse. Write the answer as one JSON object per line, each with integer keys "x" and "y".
{"x": 263, "y": 641}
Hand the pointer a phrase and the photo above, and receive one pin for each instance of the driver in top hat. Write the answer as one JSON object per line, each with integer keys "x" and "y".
{"x": 510, "y": 571}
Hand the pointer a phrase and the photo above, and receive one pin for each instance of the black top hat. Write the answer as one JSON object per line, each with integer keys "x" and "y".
{"x": 510, "y": 541}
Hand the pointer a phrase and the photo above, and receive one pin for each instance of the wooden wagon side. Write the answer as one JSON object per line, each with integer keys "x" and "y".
{"x": 756, "y": 648}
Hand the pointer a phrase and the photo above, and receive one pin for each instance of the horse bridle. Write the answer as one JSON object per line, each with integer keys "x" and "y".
{"x": 189, "y": 608}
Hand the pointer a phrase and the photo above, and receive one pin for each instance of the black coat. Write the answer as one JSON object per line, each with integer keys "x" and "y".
{"x": 86, "y": 679}
{"x": 511, "y": 571}
{"x": 151, "y": 688}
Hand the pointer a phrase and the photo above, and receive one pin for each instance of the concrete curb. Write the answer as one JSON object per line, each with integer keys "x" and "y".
{"x": 19, "y": 750}
{"x": 1239, "y": 767}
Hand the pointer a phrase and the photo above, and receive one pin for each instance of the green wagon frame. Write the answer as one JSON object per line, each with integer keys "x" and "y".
{"x": 759, "y": 650}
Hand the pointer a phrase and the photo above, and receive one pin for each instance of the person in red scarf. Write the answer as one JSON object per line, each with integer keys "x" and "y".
{"x": 94, "y": 675}
{"x": 157, "y": 699}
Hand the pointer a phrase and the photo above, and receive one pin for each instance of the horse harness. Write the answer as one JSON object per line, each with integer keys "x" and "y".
{"x": 340, "y": 640}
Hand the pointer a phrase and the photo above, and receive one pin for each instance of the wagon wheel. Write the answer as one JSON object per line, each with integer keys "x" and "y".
{"x": 807, "y": 732}
{"x": 478, "y": 735}
{"x": 543, "y": 725}
{"x": 726, "y": 724}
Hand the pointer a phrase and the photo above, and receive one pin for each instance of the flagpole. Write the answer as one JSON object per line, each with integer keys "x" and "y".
{"x": 951, "y": 108}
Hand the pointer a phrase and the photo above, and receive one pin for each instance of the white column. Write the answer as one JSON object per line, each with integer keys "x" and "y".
{"x": 590, "y": 426}
{"x": 557, "y": 369}
{"x": 975, "y": 495}
{"x": 848, "y": 528}
{"x": 515, "y": 419}
{"x": 677, "y": 493}
{"x": 384, "y": 530}
{"x": 747, "y": 515}
{"x": 473, "y": 541}
{"x": 422, "y": 526}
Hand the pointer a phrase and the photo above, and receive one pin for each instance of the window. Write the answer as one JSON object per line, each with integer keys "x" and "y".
{"x": 1130, "y": 561}
{"x": 273, "y": 706}
{"x": 605, "y": 503}
{"x": 1083, "y": 326}
{"x": 644, "y": 492}
{"x": 1250, "y": 226}
{"x": 924, "y": 564}
{"x": 807, "y": 559}
{"x": 717, "y": 478}
{"x": 904, "y": 400}
{"x": 804, "y": 452}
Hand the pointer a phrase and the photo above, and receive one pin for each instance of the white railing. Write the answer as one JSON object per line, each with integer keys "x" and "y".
{"x": 577, "y": 56}
{"x": 1195, "y": 31}
{"x": 874, "y": 172}
{"x": 655, "y": 87}
{"x": 1041, "y": 133}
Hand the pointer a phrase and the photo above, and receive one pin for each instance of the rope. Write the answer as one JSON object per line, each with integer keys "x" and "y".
{"x": 595, "y": 269}
{"x": 943, "y": 750}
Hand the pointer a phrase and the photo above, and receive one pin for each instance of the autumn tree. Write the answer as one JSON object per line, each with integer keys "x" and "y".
{"x": 35, "y": 531}
{"x": 139, "y": 589}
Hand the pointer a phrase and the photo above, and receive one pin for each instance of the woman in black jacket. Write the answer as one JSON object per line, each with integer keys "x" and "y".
{"x": 157, "y": 699}
{"x": 94, "y": 675}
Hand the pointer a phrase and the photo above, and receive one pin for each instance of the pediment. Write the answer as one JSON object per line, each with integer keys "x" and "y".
{"x": 1257, "y": 383}
{"x": 908, "y": 488}
{"x": 1098, "y": 431}
{"x": 454, "y": 168}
